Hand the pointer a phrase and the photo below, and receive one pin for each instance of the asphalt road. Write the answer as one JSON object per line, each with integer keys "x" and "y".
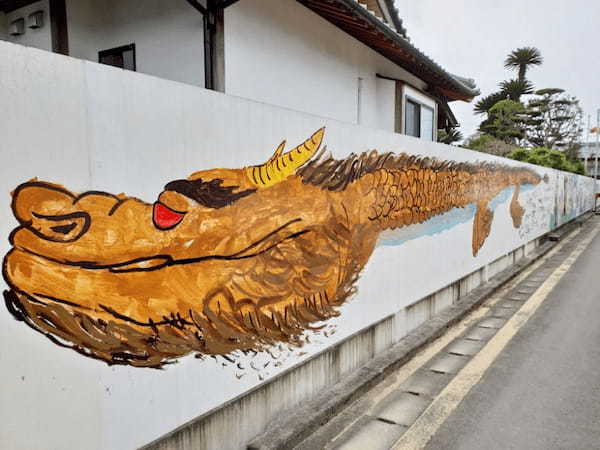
{"x": 543, "y": 390}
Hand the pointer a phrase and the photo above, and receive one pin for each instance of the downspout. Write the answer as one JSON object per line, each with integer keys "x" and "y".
{"x": 214, "y": 67}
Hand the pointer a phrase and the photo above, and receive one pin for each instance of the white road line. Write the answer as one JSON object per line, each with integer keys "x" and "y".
{"x": 432, "y": 349}
{"x": 419, "y": 434}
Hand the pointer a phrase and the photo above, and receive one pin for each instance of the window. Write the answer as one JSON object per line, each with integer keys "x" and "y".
{"x": 123, "y": 57}
{"x": 412, "y": 125}
{"x": 426, "y": 123}
{"x": 418, "y": 120}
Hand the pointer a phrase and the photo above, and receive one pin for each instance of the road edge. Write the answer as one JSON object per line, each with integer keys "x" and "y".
{"x": 291, "y": 428}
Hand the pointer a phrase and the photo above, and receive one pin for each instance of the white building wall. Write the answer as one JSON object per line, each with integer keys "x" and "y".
{"x": 168, "y": 35}
{"x": 276, "y": 51}
{"x": 386, "y": 104}
{"x": 39, "y": 38}
{"x": 89, "y": 126}
{"x": 418, "y": 96}
{"x": 280, "y": 52}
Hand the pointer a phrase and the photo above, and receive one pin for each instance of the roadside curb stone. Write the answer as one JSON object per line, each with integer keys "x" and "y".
{"x": 291, "y": 428}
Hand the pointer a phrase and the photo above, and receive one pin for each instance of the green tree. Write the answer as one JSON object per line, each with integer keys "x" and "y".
{"x": 554, "y": 120}
{"x": 505, "y": 121}
{"x": 520, "y": 154}
{"x": 547, "y": 157}
{"x": 484, "y": 104}
{"x": 515, "y": 89}
{"x": 549, "y": 121}
{"x": 510, "y": 89}
{"x": 450, "y": 137}
{"x": 522, "y": 59}
{"x": 486, "y": 143}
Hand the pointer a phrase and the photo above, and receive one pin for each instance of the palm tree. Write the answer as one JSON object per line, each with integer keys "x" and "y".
{"x": 514, "y": 89}
{"x": 450, "y": 136}
{"x": 523, "y": 58}
{"x": 485, "y": 104}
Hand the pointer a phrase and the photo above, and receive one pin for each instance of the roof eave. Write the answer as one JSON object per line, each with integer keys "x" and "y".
{"x": 392, "y": 12}
{"x": 462, "y": 89}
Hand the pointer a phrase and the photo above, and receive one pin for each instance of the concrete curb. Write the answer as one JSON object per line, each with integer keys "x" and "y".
{"x": 291, "y": 428}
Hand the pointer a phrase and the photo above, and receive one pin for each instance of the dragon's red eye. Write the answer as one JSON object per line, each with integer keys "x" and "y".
{"x": 165, "y": 218}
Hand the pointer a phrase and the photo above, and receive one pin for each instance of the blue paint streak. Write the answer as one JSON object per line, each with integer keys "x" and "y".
{"x": 443, "y": 222}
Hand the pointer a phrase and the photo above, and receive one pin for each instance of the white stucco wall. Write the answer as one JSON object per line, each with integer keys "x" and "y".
{"x": 417, "y": 95}
{"x": 38, "y": 38}
{"x": 90, "y": 126}
{"x": 281, "y": 53}
{"x": 276, "y": 51}
{"x": 168, "y": 35}
{"x": 386, "y": 104}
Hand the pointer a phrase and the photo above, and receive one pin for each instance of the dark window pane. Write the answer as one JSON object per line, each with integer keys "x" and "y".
{"x": 123, "y": 57}
{"x": 412, "y": 123}
{"x": 112, "y": 60}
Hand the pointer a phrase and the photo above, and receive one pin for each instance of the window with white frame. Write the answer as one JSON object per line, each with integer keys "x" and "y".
{"x": 418, "y": 113}
{"x": 418, "y": 119}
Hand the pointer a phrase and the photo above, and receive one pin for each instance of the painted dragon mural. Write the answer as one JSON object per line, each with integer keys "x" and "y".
{"x": 227, "y": 260}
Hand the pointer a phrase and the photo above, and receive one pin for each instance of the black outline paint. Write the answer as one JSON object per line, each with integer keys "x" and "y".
{"x": 168, "y": 259}
{"x": 161, "y": 228}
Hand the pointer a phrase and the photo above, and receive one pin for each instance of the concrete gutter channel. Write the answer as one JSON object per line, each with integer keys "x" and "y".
{"x": 295, "y": 426}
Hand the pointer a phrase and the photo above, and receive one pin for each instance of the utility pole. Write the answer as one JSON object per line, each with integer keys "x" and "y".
{"x": 587, "y": 155}
{"x": 597, "y": 142}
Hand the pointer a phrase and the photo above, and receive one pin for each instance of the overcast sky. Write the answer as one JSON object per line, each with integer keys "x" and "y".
{"x": 473, "y": 37}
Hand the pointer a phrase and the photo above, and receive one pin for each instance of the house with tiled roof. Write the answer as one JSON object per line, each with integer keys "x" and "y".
{"x": 349, "y": 60}
{"x": 124, "y": 96}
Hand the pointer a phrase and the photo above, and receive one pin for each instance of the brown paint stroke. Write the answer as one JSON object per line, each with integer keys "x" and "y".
{"x": 251, "y": 265}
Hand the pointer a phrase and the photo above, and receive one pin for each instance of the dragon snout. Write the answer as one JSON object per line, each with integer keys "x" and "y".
{"x": 49, "y": 212}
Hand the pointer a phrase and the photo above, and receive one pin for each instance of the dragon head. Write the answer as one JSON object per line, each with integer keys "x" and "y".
{"x": 215, "y": 265}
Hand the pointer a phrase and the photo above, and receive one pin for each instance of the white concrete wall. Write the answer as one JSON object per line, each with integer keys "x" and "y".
{"x": 168, "y": 35}
{"x": 38, "y": 38}
{"x": 276, "y": 51}
{"x": 281, "y": 53}
{"x": 90, "y": 126}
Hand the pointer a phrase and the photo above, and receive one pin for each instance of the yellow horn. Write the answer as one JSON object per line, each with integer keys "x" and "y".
{"x": 277, "y": 153}
{"x": 282, "y": 165}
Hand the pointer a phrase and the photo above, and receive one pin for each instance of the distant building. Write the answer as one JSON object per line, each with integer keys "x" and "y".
{"x": 349, "y": 60}
{"x": 589, "y": 154}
